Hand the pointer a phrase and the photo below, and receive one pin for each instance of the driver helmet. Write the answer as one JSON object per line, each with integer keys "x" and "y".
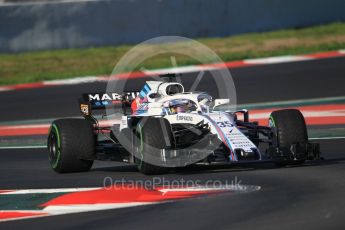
{"x": 180, "y": 106}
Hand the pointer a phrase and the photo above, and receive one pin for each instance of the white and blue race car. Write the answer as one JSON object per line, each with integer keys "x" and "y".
{"x": 164, "y": 127}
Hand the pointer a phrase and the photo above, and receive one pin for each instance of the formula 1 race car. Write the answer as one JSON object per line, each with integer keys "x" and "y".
{"x": 163, "y": 127}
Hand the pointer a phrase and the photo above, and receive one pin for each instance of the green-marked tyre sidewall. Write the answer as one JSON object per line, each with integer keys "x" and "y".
{"x": 271, "y": 122}
{"x": 71, "y": 144}
{"x": 54, "y": 162}
{"x": 147, "y": 138}
{"x": 141, "y": 146}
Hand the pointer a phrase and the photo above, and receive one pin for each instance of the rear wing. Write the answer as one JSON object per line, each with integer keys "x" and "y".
{"x": 100, "y": 101}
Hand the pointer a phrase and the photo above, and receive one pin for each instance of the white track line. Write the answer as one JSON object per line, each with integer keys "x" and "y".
{"x": 276, "y": 60}
{"x": 72, "y": 81}
{"x": 24, "y": 147}
{"x": 68, "y": 209}
{"x": 326, "y": 138}
{"x": 49, "y": 190}
{"x": 43, "y": 2}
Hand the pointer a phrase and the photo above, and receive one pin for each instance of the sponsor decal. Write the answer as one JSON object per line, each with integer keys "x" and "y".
{"x": 223, "y": 124}
{"x": 84, "y": 109}
{"x": 124, "y": 122}
{"x": 184, "y": 118}
{"x": 105, "y": 96}
{"x": 129, "y": 96}
{"x": 103, "y": 103}
{"x": 112, "y": 96}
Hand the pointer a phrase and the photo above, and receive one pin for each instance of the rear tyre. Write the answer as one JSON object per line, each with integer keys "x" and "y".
{"x": 290, "y": 129}
{"x": 69, "y": 141}
{"x": 151, "y": 136}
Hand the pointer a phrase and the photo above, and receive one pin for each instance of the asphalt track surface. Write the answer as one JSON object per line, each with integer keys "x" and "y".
{"x": 305, "y": 197}
{"x": 311, "y": 196}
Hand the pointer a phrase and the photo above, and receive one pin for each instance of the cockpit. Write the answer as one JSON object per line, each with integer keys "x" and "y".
{"x": 201, "y": 103}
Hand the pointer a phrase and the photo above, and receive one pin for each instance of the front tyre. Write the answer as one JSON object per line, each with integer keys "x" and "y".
{"x": 290, "y": 128}
{"x": 70, "y": 141}
{"x": 152, "y": 135}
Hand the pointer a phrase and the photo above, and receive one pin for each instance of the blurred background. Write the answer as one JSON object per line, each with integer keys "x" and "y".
{"x": 68, "y": 38}
{"x": 28, "y": 25}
